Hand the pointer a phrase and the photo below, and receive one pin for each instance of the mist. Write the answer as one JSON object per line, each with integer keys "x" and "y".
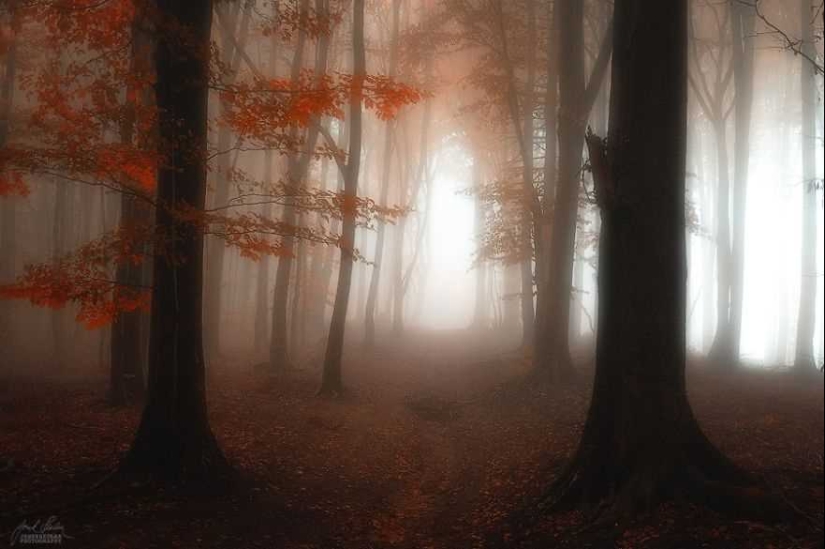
{"x": 412, "y": 273}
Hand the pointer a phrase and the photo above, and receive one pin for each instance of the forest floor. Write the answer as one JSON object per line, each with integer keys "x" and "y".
{"x": 436, "y": 445}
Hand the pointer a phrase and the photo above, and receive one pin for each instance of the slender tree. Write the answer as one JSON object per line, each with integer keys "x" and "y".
{"x": 806, "y": 321}
{"x": 378, "y": 258}
{"x": 331, "y": 383}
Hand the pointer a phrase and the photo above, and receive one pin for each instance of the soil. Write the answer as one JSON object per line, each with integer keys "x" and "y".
{"x": 440, "y": 442}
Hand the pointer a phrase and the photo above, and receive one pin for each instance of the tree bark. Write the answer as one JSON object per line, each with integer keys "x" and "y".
{"x": 804, "y": 359}
{"x": 8, "y": 207}
{"x": 721, "y": 341}
{"x": 298, "y": 165}
{"x": 744, "y": 21}
{"x": 215, "y": 260}
{"x": 641, "y": 444}
{"x": 331, "y": 383}
{"x": 174, "y": 441}
{"x": 126, "y": 379}
{"x": 378, "y": 258}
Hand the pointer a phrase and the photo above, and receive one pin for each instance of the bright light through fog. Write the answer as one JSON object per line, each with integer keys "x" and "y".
{"x": 450, "y": 294}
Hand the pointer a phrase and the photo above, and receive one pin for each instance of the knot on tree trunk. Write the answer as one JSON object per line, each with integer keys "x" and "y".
{"x": 600, "y": 168}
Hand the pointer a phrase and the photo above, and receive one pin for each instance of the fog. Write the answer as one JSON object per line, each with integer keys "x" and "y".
{"x": 413, "y": 205}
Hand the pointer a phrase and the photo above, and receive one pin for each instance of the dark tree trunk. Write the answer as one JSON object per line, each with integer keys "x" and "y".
{"x": 804, "y": 357}
{"x": 174, "y": 441}
{"x": 641, "y": 444}
{"x": 331, "y": 383}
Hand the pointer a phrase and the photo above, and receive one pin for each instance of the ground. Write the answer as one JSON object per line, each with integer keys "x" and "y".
{"x": 439, "y": 443}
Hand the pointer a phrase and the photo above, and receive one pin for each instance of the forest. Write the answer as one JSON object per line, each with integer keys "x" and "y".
{"x": 416, "y": 274}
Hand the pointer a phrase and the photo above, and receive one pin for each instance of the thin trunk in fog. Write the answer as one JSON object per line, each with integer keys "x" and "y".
{"x": 743, "y": 23}
{"x": 331, "y": 383}
{"x": 576, "y": 100}
{"x": 400, "y": 232}
{"x": 544, "y": 229}
{"x": 8, "y": 208}
{"x": 329, "y": 252}
{"x": 423, "y": 179}
{"x": 804, "y": 357}
{"x": 528, "y": 313}
{"x": 641, "y": 444}
{"x": 233, "y": 40}
{"x": 480, "y": 314}
{"x": 174, "y": 440}
{"x": 126, "y": 349}
{"x": 297, "y": 167}
{"x": 262, "y": 282}
{"x": 378, "y": 257}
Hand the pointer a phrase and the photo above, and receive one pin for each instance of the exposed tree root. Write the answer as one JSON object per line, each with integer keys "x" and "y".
{"x": 692, "y": 472}
{"x": 176, "y": 457}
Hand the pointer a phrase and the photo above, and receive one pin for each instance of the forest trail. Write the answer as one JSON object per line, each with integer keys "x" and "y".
{"x": 434, "y": 446}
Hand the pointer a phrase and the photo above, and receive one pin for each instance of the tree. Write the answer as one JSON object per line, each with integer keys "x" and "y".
{"x": 712, "y": 97}
{"x": 641, "y": 443}
{"x": 127, "y": 348}
{"x": 331, "y": 383}
{"x": 378, "y": 260}
{"x": 728, "y": 335}
{"x": 8, "y": 211}
{"x": 576, "y": 100}
{"x": 174, "y": 440}
{"x": 806, "y": 322}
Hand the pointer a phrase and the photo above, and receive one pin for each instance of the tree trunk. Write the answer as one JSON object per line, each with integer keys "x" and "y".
{"x": 378, "y": 258}
{"x": 804, "y": 359}
{"x": 8, "y": 207}
{"x": 331, "y": 383}
{"x": 279, "y": 359}
{"x": 721, "y": 342}
{"x": 480, "y": 314}
{"x": 262, "y": 283}
{"x": 125, "y": 351}
{"x": 641, "y": 444}
{"x": 744, "y": 20}
{"x": 555, "y": 353}
{"x": 174, "y": 441}
{"x": 216, "y": 247}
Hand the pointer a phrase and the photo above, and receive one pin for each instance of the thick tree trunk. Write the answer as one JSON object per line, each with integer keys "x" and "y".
{"x": 332, "y": 383}
{"x": 174, "y": 441}
{"x": 641, "y": 444}
{"x": 804, "y": 359}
